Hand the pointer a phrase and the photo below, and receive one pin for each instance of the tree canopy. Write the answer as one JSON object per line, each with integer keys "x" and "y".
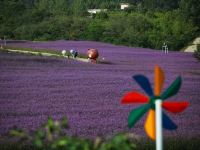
{"x": 146, "y": 23}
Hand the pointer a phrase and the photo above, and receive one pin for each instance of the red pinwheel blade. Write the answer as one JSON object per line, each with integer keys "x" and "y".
{"x": 158, "y": 80}
{"x": 175, "y": 107}
{"x": 134, "y": 97}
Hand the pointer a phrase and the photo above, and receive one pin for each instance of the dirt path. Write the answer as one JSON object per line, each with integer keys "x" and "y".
{"x": 44, "y": 54}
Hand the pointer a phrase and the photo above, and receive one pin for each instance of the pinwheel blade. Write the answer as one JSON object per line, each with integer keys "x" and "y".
{"x": 150, "y": 125}
{"x": 175, "y": 107}
{"x": 136, "y": 114}
{"x": 158, "y": 80}
{"x": 168, "y": 123}
{"x": 144, "y": 83}
{"x": 172, "y": 89}
{"x": 134, "y": 97}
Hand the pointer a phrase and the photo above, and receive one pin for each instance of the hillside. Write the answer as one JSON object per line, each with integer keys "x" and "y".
{"x": 35, "y": 87}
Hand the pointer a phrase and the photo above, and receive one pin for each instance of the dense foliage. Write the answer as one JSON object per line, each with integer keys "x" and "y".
{"x": 52, "y": 136}
{"x": 146, "y": 23}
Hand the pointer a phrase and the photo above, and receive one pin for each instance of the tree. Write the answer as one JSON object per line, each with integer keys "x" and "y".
{"x": 190, "y": 10}
{"x": 78, "y": 8}
{"x": 161, "y": 4}
{"x": 53, "y": 7}
{"x": 11, "y": 16}
{"x": 94, "y": 30}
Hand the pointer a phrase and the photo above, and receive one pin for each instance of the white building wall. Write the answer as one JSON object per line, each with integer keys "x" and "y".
{"x": 123, "y": 6}
{"x": 94, "y": 11}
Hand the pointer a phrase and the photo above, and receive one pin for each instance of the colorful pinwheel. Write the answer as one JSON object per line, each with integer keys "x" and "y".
{"x": 135, "y": 97}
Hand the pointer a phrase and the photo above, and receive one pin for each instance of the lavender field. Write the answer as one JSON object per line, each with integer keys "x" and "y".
{"x": 32, "y": 88}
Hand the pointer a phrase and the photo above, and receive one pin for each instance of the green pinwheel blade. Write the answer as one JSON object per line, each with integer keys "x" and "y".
{"x": 137, "y": 113}
{"x": 172, "y": 89}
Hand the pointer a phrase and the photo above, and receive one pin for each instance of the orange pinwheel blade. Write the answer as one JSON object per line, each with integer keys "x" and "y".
{"x": 175, "y": 107}
{"x": 159, "y": 80}
{"x": 150, "y": 125}
{"x": 134, "y": 97}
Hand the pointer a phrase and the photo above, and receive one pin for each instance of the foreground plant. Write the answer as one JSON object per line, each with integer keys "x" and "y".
{"x": 52, "y": 136}
{"x": 48, "y": 135}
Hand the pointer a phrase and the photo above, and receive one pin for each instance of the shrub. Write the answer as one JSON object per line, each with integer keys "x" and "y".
{"x": 52, "y": 136}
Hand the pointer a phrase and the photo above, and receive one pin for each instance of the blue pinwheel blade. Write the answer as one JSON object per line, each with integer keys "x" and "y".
{"x": 144, "y": 83}
{"x": 168, "y": 123}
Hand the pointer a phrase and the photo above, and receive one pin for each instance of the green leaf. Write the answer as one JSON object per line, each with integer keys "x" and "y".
{"x": 38, "y": 143}
{"x": 64, "y": 123}
{"x": 17, "y": 133}
{"x": 40, "y": 134}
{"x": 136, "y": 114}
{"x": 50, "y": 124}
{"x": 172, "y": 89}
{"x": 62, "y": 142}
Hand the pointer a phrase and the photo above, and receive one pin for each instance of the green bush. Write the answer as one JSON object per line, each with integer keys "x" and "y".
{"x": 52, "y": 136}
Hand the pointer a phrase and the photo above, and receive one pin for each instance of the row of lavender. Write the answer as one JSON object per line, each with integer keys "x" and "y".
{"x": 33, "y": 88}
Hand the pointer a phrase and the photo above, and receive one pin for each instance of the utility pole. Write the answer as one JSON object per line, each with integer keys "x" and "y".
{"x": 165, "y": 48}
{"x": 4, "y": 40}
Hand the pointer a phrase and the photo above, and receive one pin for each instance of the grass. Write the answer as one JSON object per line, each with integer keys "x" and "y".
{"x": 46, "y": 52}
{"x": 49, "y": 52}
{"x": 34, "y": 50}
{"x": 171, "y": 144}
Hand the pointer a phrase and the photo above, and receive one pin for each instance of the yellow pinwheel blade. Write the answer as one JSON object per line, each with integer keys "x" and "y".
{"x": 150, "y": 125}
{"x": 159, "y": 80}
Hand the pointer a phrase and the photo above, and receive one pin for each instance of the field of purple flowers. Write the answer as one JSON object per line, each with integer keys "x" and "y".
{"x": 35, "y": 87}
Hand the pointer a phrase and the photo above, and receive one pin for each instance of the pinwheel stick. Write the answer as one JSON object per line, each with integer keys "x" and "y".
{"x": 159, "y": 134}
